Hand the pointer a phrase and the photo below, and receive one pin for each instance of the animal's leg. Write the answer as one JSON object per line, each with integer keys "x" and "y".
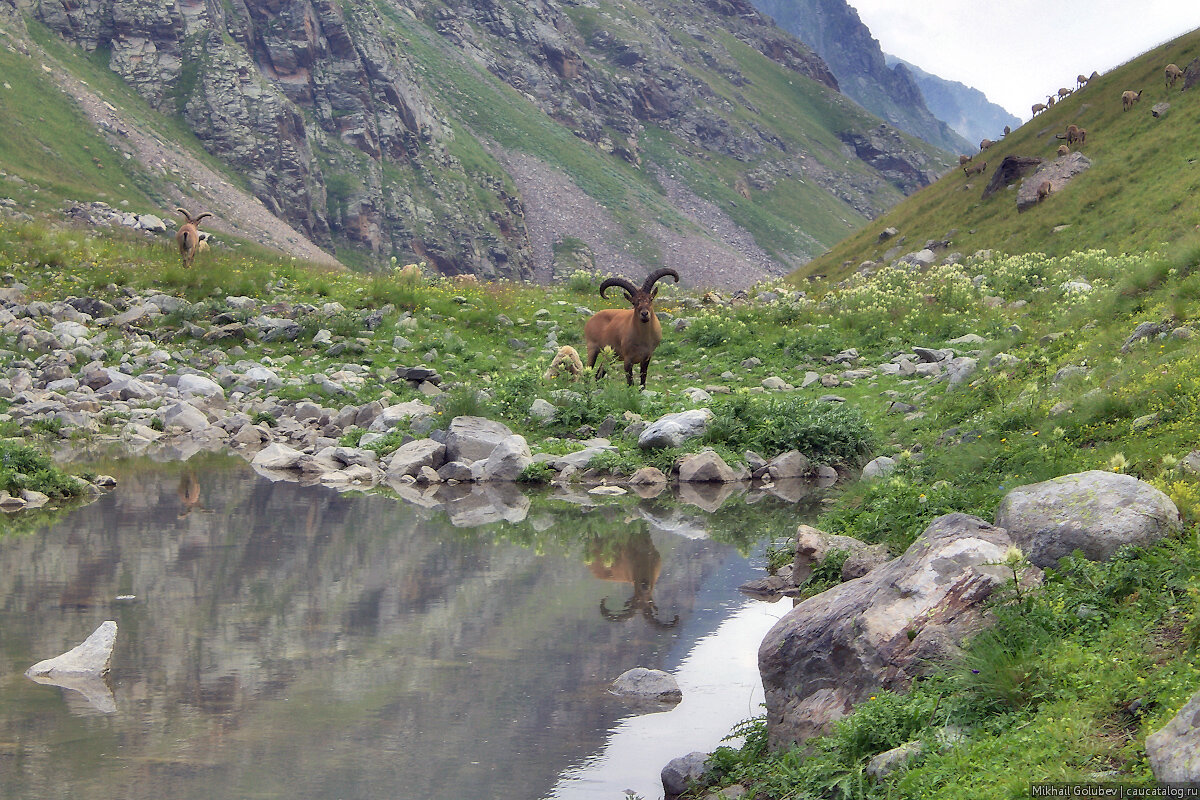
{"x": 645, "y": 369}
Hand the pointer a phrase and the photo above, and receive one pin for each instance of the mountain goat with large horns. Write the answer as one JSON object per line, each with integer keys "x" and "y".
{"x": 632, "y": 333}
{"x": 188, "y": 236}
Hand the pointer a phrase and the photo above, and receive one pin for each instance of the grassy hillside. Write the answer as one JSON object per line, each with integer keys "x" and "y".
{"x": 1054, "y": 391}
{"x": 1136, "y": 196}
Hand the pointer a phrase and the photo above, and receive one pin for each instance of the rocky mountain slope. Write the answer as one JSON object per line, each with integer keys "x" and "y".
{"x": 834, "y": 29}
{"x": 963, "y": 108}
{"x": 698, "y": 136}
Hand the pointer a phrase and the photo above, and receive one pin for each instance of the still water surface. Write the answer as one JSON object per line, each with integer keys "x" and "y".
{"x": 281, "y": 641}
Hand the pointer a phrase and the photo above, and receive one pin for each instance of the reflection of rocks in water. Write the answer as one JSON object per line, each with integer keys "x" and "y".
{"x": 469, "y": 505}
{"x": 709, "y": 496}
{"x": 792, "y": 490}
{"x": 488, "y": 503}
{"x": 633, "y": 560}
{"x": 674, "y": 520}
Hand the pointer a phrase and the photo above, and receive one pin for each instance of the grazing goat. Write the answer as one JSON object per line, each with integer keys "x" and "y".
{"x": 188, "y": 236}
{"x": 1043, "y": 191}
{"x": 1173, "y": 73}
{"x": 202, "y": 245}
{"x": 1064, "y": 93}
{"x": 1051, "y": 100}
{"x": 566, "y": 362}
{"x": 1074, "y": 134}
{"x": 1129, "y": 97}
{"x": 1080, "y": 81}
{"x": 975, "y": 169}
{"x": 964, "y": 160}
{"x": 634, "y": 333}
{"x": 1063, "y": 150}
{"x": 1038, "y": 108}
{"x": 985, "y": 144}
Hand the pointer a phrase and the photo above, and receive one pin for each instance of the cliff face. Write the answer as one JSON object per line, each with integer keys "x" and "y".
{"x": 389, "y": 129}
{"x": 834, "y": 30}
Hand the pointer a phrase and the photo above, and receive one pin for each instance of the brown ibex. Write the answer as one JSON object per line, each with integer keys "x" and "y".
{"x": 632, "y": 333}
{"x": 975, "y": 169}
{"x": 188, "y": 236}
{"x": 1128, "y": 98}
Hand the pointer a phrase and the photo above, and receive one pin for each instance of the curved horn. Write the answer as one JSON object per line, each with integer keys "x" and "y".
{"x": 650, "y": 612}
{"x": 656, "y": 276}
{"x": 186, "y": 215}
{"x": 196, "y": 221}
{"x": 620, "y": 283}
{"x": 616, "y": 615}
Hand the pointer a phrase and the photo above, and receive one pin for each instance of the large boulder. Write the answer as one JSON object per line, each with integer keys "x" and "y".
{"x": 1174, "y": 749}
{"x": 881, "y": 630}
{"x": 507, "y": 461}
{"x": 1094, "y": 512}
{"x": 409, "y": 458}
{"x": 472, "y": 439}
{"x": 706, "y": 467}
{"x": 1058, "y": 172}
{"x": 673, "y": 430}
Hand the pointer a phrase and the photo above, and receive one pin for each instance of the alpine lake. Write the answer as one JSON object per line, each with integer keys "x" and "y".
{"x": 278, "y": 640}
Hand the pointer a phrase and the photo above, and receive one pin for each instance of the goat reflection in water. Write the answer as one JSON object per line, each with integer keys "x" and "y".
{"x": 629, "y": 558}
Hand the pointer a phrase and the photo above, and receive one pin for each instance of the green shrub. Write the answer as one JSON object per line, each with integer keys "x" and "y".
{"x": 828, "y": 433}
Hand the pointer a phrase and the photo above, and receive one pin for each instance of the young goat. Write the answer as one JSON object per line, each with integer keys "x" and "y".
{"x": 976, "y": 169}
{"x": 634, "y": 333}
{"x": 1128, "y": 98}
{"x": 188, "y": 236}
{"x": 1173, "y": 73}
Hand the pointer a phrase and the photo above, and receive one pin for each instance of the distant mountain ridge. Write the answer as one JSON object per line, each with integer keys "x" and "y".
{"x": 963, "y": 108}
{"x": 501, "y": 138}
{"x": 835, "y": 31}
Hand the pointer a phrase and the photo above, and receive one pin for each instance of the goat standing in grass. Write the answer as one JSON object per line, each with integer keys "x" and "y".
{"x": 188, "y": 236}
{"x": 632, "y": 333}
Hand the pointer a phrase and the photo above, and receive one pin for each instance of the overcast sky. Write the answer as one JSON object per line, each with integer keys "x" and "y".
{"x": 1018, "y": 51}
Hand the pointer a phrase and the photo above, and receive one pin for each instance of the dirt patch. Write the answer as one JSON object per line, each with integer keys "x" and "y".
{"x": 719, "y": 254}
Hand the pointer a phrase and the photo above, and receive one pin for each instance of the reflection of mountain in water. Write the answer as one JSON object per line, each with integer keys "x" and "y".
{"x": 290, "y": 641}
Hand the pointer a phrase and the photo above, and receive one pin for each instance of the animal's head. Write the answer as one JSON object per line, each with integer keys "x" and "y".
{"x": 641, "y": 299}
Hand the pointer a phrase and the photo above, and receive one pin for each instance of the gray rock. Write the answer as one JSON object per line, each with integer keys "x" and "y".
{"x": 889, "y": 761}
{"x": 1095, "y": 512}
{"x": 277, "y": 456}
{"x": 706, "y": 467}
{"x": 92, "y": 658}
{"x": 472, "y": 439}
{"x": 792, "y": 464}
{"x": 542, "y": 410}
{"x": 1174, "y": 750}
{"x": 506, "y": 462}
{"x": 878, "y": 467}
{"x": 647, "y": 476}
{"x": 673, "y": 430}
{"x": 392, "y": 416}
{"x": 882, "y": 630}
{"x": 199, "y": 386}
{"x": 408, "y": 459}
{"x": 640, "y": 683}
{"x": 185, "y": 416}
{"x": 682, "y": 773}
